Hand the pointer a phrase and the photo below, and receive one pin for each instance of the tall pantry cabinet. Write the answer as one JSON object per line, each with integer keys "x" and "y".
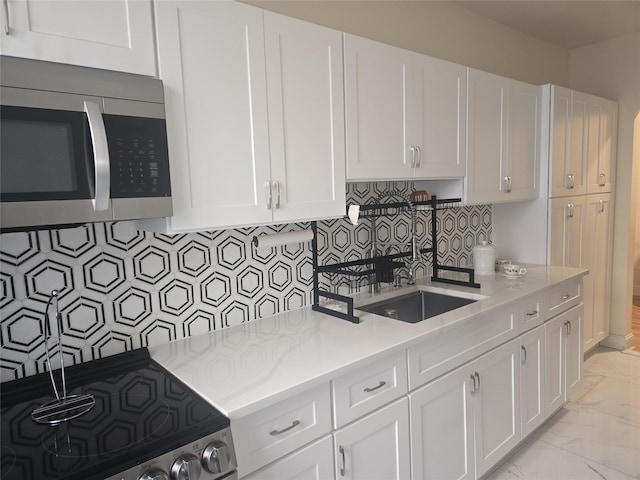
{"x": 575, "y": 208}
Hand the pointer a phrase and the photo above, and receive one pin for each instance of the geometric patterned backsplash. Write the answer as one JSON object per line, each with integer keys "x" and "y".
{"x": 122, "y": 289}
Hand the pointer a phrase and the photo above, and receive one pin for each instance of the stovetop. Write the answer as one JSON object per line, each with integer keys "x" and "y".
{"x": 141, "y": 411}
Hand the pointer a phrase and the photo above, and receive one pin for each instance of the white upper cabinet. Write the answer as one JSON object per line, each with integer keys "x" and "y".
{"x": 378, "y": 92}
{"x": 440, "y": 118}
{"x": 108, "y": 34}
{"x": 306, "y": 118}
{"x": 568, "y": 142}
{"x": 502, "y": 144}
{"x": 601, "y": 147}
{"x": 232, "y": 163}
{"x": 405, "y": 113}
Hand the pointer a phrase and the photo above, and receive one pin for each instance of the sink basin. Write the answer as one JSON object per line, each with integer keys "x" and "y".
{"x": 417, "y": 306}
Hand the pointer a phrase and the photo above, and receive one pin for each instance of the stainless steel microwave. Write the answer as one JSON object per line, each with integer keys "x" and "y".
{"x": 80, "y": 145}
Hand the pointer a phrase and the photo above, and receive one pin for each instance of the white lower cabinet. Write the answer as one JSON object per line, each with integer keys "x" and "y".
{"x": 442, "y": 428}
{"x": 532, "y": 363}
{"x": 563, "y": 358}
{"x": 313, "y": 462}
{"x": 376, "y": 447}
{"x": 472, "y": 409}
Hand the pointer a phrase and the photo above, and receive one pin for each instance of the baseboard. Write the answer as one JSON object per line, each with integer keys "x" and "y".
{"x": 619, "y": 342}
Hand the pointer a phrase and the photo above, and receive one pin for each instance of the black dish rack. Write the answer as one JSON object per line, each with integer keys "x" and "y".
{"x": 383, "y": 266}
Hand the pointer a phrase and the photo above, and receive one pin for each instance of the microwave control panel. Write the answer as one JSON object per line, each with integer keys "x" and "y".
{"x": 139, "y": 159}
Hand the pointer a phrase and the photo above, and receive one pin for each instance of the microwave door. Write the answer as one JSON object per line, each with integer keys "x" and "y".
{"x": 47, "y": 171}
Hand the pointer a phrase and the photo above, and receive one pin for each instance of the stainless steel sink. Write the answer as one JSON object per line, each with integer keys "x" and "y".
{"x": 417, "y": 306}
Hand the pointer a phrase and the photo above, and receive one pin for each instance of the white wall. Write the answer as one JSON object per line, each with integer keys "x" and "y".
{"x": 611, "y": 69}
{"x": 439, "y": 29}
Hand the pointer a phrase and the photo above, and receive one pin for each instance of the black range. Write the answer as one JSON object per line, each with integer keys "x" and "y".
{"x": 145, "y": 424}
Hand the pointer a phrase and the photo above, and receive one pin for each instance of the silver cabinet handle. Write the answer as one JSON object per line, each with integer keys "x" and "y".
{"x": 413, "y": 157}
{"x": 602, "y": 180}
{"x": 524, "y": 354}
{"x": 570, "y": 210}
{"x": 277, "y": 185}
{"x": 571, "y": 181}
{"x": 380, "y": 385}
{"x": 344, "y": 462}
{"x": 565, "y": 296}
{"x": 507, "y": 184}
{"x": 473, "y": 384}
{"x": 532, "y": 314}
{"x": 100, "y": 156}
{"x": 5, "y": 5}
{"x": 601, "y": 206}
{"x": 569, "y": 327}
{"x": 419, "y": 156}
{"x": 269, "y": 195}
{"x": 477, "y": 375}
{"x": 294, "y": 424}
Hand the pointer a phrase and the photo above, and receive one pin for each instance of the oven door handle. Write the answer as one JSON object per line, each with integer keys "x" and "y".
{"x": 100, "y": 199}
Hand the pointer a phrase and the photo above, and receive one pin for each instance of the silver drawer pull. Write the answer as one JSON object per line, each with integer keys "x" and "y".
{"x": 380, "y": 385}
{"x": 532, "y": 314}
{"x": 294, "y": 424}
{"x": 344, "y": 463}
{"x": 524, "y": 354}
{"x": 565, "y": 296}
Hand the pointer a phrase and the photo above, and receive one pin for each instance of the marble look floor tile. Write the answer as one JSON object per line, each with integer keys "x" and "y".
{"x": 602, "y": 438}
{"x": 589, "y": 380}
{"x": 541, "y": 461}
{"x": 611, "y": 397}
{"x": 613, "y": 364}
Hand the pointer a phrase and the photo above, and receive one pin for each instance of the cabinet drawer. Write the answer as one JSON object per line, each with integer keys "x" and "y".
{"x": 455, "y": 347}
{"x": 531, "y": 313}
{"x": 274, "y": 431}
{"x": 368, "y": 388}
{"x": 313, "y": 462}
{"x": 563, "y": 297}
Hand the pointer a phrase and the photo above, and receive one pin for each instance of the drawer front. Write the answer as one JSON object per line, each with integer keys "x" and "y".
{"x": 275, "y": 431}
{"x": 358, "y": 393}
{"x": 563, "y": 297}
{"x": 451, "y": 349}
{"x": 313, "y": 462}
{"x": 531, "y": 313}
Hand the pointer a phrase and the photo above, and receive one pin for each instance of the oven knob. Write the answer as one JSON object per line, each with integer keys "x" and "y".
{"x": 216, "y": 457}
{"x": 154, "y": 475}
{"x": 186, "y": 467}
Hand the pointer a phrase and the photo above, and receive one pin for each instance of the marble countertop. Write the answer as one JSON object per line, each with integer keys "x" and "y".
{"x": 242, "y": 369}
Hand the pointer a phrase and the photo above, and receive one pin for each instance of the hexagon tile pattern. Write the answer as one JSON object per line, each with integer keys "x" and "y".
{"x": 122, "y": 289}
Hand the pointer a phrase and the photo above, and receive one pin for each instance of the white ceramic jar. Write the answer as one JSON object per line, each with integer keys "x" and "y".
{"x": 484, "y": 258}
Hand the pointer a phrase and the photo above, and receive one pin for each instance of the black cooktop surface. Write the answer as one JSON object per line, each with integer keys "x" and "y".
{"x": 141, "y": 411}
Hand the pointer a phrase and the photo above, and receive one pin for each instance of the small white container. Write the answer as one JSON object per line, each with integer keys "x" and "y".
{"x": 484, "y": 258}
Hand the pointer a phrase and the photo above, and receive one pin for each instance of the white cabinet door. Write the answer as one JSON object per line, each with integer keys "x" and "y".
{"x": 601, "y": 149}
{"x": 313, "y": 462}
{"x": 440, "y": 118}
{"x": 211, "y": 60}
{"x": 375, "y": 447}
{"x": 496, "y": 404}
{"x": 566, "y": 222}
{"x": 486, "y": 137}
{"x": 378, "y": 99}
{"x": 306, "y": 118}
{"x": 522, "y": 141}
{"x": 563, "y": 347}
{"x": 573, "y": 351}
{"x": 441, "y": 415}
{"x": 113, "y": 35}
{"x": 597, "y": 258}
{"x": 554, "y": 364}
{"x": 568, "y": 150}
{"x": 532, "y": 370}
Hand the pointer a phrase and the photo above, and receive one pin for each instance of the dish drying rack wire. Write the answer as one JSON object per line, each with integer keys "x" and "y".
{"x": 350, "y": 268}
{"x": 64, "y": 407}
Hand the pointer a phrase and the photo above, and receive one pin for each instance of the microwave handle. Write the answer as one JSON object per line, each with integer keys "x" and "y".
{"x": 100, "y": 156}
